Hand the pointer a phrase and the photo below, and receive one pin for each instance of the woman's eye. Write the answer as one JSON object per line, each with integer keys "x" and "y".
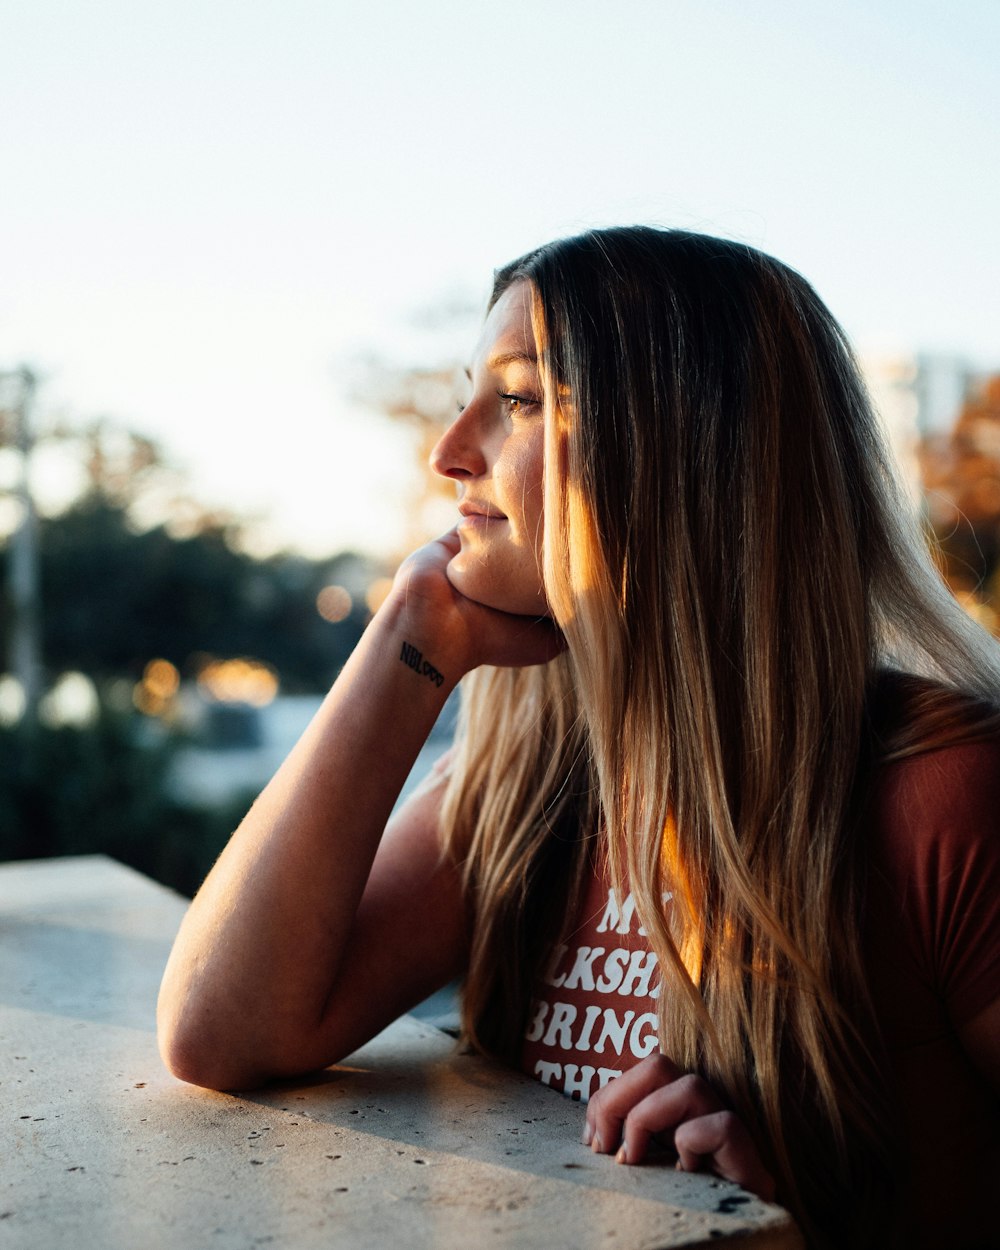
{"x": 518, "y": 403}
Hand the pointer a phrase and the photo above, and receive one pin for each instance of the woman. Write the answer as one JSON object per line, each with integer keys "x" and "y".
{"x": 720, "y": 719}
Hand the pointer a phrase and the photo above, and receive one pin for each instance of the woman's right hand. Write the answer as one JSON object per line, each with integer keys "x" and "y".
{"x": 457, "y": 633}
{"x": 312, "y": 931}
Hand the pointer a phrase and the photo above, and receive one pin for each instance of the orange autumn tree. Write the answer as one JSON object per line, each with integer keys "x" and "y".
{"x": 961, "y": 478}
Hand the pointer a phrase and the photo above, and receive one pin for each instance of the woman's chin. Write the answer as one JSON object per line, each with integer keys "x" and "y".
{"x": 496, "y": 592}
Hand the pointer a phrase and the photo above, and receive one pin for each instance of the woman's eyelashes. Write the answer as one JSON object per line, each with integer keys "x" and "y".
{"x": 513, "y": 403}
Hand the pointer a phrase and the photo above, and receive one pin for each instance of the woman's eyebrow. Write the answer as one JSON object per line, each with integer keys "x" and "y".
{"x": 509, "y": 358}
{"x": 496, "y": 363}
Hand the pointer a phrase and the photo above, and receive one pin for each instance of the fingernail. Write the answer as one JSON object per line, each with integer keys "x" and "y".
{"x": 588, "y": 1133}
{"x": 622, "y": 1155}
{"x": 596, "y": 1145}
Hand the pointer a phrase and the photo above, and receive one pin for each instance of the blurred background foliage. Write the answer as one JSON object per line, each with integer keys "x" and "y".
{"x": 160, "y": 635}
{"x": 170, "y": 647}
{"x": 101, "y": 788}
{"x": 134, "y": 569}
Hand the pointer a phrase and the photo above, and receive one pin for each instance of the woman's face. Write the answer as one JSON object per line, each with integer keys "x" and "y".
{"x": 494, "y": 452}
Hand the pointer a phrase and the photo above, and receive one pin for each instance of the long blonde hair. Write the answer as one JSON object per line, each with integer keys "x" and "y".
{"x": 732, "y": 566}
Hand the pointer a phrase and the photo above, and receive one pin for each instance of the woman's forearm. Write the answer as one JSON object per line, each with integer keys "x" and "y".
{"x": 249, "y": 977}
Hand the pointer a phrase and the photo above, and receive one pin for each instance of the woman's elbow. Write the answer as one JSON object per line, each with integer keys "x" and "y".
{"x": 194, "y": 1051}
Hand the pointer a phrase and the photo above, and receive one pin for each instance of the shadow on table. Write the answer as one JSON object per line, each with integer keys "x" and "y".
{"x": 424, "y": 1091}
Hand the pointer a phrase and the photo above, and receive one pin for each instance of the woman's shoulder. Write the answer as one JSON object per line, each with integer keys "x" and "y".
{"x": 933, "y": 839}
{"x": 936, "y": 762}
{"x": 952, "y": 791}
{"x": 909, "y": 715}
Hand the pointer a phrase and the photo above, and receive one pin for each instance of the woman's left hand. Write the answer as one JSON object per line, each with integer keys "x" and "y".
{"x": 656, "y": 1097}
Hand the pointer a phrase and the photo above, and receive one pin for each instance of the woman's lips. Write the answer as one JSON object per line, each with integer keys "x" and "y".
{"x": 476, "y": 515}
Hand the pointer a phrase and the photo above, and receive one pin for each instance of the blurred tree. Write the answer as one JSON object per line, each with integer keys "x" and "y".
{"x": 100, "y": 790}
{"x": 133, "y": 570}
{"x": 136, "y": 569}
{"x": 961, "y": 477}
{"x": 424, "y": 401}
{"x": 114, "y": 599}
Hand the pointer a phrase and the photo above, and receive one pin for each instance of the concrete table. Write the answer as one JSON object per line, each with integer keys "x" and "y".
{"x": 406, "y": 1144}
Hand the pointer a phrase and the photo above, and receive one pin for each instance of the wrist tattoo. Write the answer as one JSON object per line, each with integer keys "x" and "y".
{"x": 414, "y": 659}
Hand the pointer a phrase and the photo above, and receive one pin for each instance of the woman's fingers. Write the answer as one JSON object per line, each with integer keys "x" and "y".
{"x": 722, "y": 1139}
{"x": 687, "y": 1098}
{"x": 460, "y": 632}
{"x": 609, "y": 1107}
{"x": 518, "y": 640}
{"x": 656, "y": 1097}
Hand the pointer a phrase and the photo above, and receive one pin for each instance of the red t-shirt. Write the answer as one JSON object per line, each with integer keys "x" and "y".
{"x": 594, "y": 1013}
{"x": 932, "y": 942}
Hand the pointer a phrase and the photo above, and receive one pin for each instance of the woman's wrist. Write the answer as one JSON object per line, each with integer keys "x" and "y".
{"x": 420, "y": 641}
{"x": 447, "y": 634}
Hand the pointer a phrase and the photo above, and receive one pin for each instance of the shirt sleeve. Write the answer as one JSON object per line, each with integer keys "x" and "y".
{"x": 941, "y": 843}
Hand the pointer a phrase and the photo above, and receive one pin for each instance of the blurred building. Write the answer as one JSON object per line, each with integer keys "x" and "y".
{"x": 234, "y": 748}
{"x": 918, "y": 397}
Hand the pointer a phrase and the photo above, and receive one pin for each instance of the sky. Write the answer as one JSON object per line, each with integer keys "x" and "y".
{"x": 212, "y": 213}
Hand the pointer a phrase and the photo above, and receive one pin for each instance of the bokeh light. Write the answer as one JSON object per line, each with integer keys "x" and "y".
{"x": 71, "y": 703}
{"x": 154, "y": 695}
{"x": 334, "y": 603}
{"x": 12, "y": 700}
{"x": 377, "y": 593}
{"x": 238, "y": 681}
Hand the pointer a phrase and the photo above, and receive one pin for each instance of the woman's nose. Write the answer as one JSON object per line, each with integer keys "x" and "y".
{"x": 458, "y": 453}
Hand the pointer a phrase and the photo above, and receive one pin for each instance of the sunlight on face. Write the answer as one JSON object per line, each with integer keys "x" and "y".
{"x": 494, "y": 451}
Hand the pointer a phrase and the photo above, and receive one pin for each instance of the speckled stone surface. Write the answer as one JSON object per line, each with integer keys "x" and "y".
{"x": 406, "y": 1144}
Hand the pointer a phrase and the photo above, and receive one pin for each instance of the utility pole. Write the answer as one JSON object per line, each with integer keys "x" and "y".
{"x": 24, "y": 655}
